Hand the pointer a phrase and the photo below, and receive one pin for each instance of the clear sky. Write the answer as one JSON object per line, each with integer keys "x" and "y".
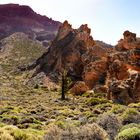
{"x": 108, "y": 19}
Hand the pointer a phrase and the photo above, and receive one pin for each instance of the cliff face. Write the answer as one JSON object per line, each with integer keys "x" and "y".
{"x": 75, "y": 51}
{"x": 17, "y": 18}
{"x": 123, "y": 78}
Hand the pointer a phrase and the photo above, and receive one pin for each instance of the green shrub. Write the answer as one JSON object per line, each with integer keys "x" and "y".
{"x": 131, "y": 115}
{"x": 96, "y": 101}
{"x": 117, "y": 109}
{"x": 10, "y": 132}
{"x": 129, "y": 134}
{"x": 135, "y": 105}
{"x": 130, "y": 126}
{"x": 86, "y": 94}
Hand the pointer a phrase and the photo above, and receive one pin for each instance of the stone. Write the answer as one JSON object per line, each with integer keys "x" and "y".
{"x": 79, "y": 88}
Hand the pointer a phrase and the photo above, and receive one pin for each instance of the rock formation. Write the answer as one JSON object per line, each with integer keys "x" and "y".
{"x": 75, "y": 51}
{"x": 91, "y": 65}
{"x": 123, "y": 76}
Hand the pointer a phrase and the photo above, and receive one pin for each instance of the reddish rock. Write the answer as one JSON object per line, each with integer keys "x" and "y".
{"x": 79, "y": 88}
{"x": 129, "y": 42}
{"x": 123, "y": 75}
{"x": 75, "y": 51}
{"x": 85, "y": 60}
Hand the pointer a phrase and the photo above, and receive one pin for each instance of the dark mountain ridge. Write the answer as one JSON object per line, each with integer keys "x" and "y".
{"x": 21, "y": 18}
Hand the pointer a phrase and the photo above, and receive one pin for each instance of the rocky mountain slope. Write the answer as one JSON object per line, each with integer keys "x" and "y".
{"x": 20, "y": 18}
{"x": 89, "y": 63}
{"x": 75, "y": 51}
{"x": 18, "y": 49}
{"x": 103, "y": 101}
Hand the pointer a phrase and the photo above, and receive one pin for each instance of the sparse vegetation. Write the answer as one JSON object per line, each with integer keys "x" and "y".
{"x": 36, "y": 113}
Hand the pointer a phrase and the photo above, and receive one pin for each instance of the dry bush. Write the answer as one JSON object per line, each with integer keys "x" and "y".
{"x": 92, "y": 132}
{"x": 86, "y": 132}
{"x": 53, "y": 133}
{"x": 130, "y": 115}
{"x": 110, "y": 123}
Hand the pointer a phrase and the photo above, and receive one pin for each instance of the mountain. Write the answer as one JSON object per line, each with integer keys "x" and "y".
{"x": 101, "y": 82}
{"x": 101, "y": 43}
{"x": 20, "y": 18}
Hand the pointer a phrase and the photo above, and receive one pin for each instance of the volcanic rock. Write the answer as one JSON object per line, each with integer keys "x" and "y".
{"x": 75, "y": 51}
{"x": 123, "y": 75}
{"x": 79, "y": 88}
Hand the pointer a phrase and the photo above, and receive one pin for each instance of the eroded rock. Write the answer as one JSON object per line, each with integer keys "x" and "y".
{"x": 123, "y": 76}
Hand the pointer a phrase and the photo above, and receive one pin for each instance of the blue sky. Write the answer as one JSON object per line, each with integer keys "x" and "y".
{"x": 108, "y": 19}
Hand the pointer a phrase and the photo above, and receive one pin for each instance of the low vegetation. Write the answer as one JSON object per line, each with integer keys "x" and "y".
{"x": 38, "y": 113}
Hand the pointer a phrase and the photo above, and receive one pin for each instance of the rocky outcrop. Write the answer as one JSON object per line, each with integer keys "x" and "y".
{"x": 75, "y": 51}
{"x": 91, "y": 65}
{"x": 123, "y": 76}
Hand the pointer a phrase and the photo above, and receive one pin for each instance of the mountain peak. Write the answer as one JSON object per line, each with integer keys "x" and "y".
{"x": 22, "y": 18}
{"x": 15, "y": 10}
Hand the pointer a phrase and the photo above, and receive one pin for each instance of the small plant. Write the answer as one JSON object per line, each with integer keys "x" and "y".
{"x": 129, "y": 134}
{"x": 65, "y": 84}
{"x": 10, "y": 132}
{"x": 96, "y": 101}
{"x": 130, "y": 115}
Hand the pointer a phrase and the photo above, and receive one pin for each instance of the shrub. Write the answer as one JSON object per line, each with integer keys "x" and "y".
{"x": 91, "y": 132}
{"x": 110, "y": 123}
{"x": 129, "y": 134}
{"x": 131, "y": 115}
{"x": 10, "y": 132}
{"x": 130, "y": 126}
{"x": 4, "y": 135}
{"x": 96, "y": 101}
{"x": 86, "y": 132}
{"x": 53, "y": 133}
{"x": 118, "y": 109}
{"x": 136, "y": 105}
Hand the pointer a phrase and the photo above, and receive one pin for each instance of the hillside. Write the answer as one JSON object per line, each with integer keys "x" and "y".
{"x": 20, "y": 18}
{"x": 101, "y": 82}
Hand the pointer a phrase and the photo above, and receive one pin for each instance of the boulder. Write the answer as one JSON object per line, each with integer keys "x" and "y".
{"x": 79, "y": 88}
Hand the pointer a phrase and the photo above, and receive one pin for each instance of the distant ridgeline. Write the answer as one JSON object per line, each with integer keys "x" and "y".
{"x": 19, "y": 18}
